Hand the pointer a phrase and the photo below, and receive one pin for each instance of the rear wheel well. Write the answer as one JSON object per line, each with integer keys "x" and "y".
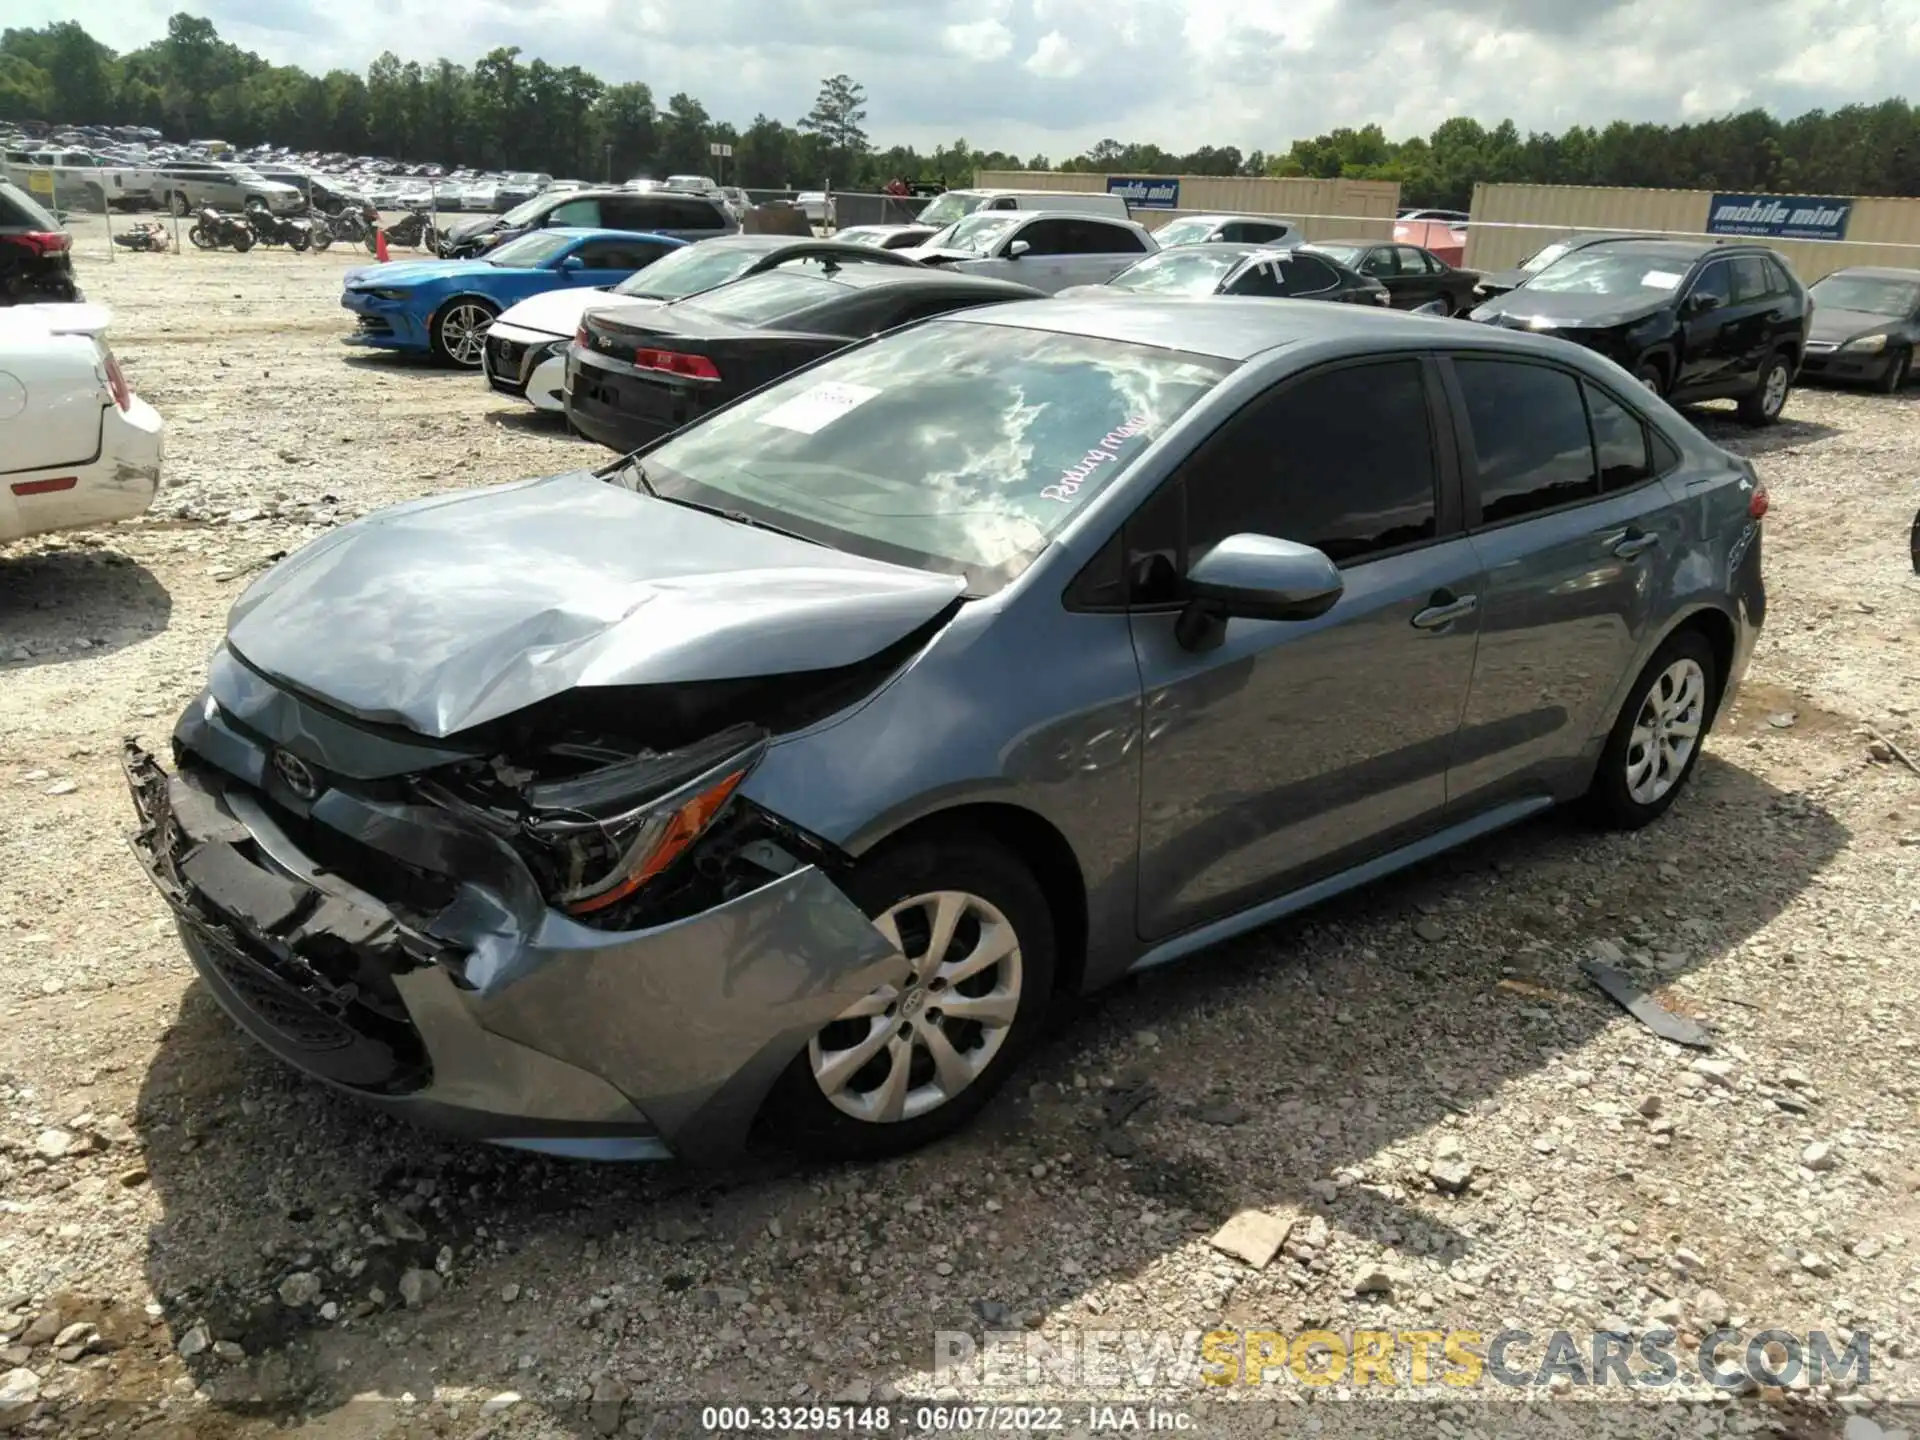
{"x": 1717, "y": 630}
{"x": 1045, "y": 852}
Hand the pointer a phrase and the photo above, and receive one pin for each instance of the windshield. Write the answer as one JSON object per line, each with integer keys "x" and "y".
{"x": 1190, "y": 231}
{"x": 526, "y": 211}
{"x": 950, "y": 207}
{"x": 1545, "y": 256}
{"x": 1178, "y": 272}
{"x": 961, "y": 448}
{"x": 1868, "y": 293}
{"x": 688, "y": 272}
{"x": 978, "y": 233}
{"x": 1610, "y": 273}
{"x": 858, "y": 235}
{"x": 1348, "y": 255}
{"x": 529, "y": 252}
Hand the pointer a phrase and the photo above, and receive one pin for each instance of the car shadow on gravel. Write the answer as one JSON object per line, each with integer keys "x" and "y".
{"x": 66, "y": 602}
{"x": 525, "y": 420}
{"x": 1786, "y": 433}
{"x": 1303, "y": 1069}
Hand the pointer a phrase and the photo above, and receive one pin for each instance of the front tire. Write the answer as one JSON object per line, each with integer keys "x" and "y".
{"x": 968, "y": 993}
{"x": 1651, "y": 376}
{"x": 1762, "y": 406}
{"x": 1656, "y": 742}
{"x": 1897, "y": 370}
{"x": 201, "y": 240}
{"x": 459, "y": 331}
{"x": 176, "y": 203}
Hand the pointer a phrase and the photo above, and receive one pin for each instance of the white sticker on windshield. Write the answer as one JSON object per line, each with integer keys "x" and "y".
{"x": 1660, "y": 280}
{"x": 813, "y": 410}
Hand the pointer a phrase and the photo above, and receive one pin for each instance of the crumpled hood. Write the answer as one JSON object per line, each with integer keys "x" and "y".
{"x": 1839, "y": 326}
{"x": 937, "y": 254}
{"x": 558, "y": 312}
{"x": 397, "y": 273}
{"x": 1566, "y": 311}
{"x": 444, "y": 613}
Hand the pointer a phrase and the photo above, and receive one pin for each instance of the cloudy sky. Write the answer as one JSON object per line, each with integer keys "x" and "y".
{"x": 1056, "y": 75}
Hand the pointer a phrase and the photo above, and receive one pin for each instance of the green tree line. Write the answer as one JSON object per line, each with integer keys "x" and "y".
{"x": 506, "y": 112}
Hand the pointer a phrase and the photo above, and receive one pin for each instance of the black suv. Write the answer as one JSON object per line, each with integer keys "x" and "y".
{"x": 655, "y": 212}
{"x": 36, "y": 263}
{"x": 1689, "y": 319}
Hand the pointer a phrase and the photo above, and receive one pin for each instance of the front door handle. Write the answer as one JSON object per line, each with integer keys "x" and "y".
{"x": 1631, "y": 543}
{"x": 1444, "y": 610}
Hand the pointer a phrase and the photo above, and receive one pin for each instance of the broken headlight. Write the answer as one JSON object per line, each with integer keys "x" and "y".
{"x": 608, "y": 832}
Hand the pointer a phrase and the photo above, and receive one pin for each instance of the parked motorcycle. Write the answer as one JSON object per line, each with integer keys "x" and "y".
{"x": 149, "y": 235}
{"x": 214, "y": 228}
{"x": 353, "y": 223}
{"x": 272, "y": 229}
{"x": 415, "y": 228}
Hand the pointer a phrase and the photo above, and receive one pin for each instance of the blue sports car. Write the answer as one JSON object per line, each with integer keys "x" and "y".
{"x": 445, "y": 306}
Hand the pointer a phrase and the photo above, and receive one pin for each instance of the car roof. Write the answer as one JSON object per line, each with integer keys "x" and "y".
{"x": 872, "y": 277}
{"x": 1874, "y": 272}
{"x": 1237, "y": 219}
{"x": 1670, "y": 248}
{"x": 1355, "y": 240}
{"x": 1216, "y": 247}
{"x": 1230, "y": 327}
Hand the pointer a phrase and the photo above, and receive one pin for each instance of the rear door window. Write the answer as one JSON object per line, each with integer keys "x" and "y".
{"x": 1528, "y": 427}
{"x": 1305, "y": 275}
{"x": 1094, "y": 237}
{"x": 1619, "y": 442}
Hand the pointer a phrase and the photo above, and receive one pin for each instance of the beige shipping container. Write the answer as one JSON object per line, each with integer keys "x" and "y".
{"x": 1326, "y": 209}
{"x": 1510, "y": 222}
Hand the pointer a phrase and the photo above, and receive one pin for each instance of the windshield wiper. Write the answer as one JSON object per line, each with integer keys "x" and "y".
{"x": 740, "y": 517}
{"x": 638, "y": 471}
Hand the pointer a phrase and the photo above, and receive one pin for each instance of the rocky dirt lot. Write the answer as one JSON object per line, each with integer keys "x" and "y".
{"x": 1416, "y": 1086}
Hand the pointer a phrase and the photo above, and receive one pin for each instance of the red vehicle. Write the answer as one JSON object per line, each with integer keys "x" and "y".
{"x": 1444, "y": 232}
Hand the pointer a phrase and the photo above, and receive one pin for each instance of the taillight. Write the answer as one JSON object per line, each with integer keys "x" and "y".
{"x": 45, "y": 242}
{"x": 1757, "y": 503}
{"x": 116, "y": 382}
{"x": 673, "y": 362}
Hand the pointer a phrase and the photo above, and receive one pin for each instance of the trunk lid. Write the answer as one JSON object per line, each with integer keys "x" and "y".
{"x": 444, "y": 613}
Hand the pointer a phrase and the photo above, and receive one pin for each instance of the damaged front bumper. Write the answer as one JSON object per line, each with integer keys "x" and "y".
{"x": 409, "y": 968}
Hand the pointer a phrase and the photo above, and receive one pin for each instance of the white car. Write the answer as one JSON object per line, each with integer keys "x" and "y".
{"x": 815, "y": 206}
{"x": 77, "y": 447}
{"x": 1048, "y": 251}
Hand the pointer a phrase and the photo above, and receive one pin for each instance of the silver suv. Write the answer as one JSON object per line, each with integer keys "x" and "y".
{"x": 183, "y": 186}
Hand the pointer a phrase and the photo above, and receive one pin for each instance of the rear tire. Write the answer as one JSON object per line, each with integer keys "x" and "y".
{"x": 1763, "y": 404}
{"x": 322, "y": 236}
{"x": 933, "y": 1070}
{"x": 242, "y": 240}
{"x": 1656, "y": 740}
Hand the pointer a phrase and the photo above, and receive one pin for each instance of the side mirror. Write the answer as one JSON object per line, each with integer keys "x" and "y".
{"x": 1255, "y": 577}
{"x": 1017, "y": 249}
{"x": 573, "y": 262}
{"x": 1698, "y": 304}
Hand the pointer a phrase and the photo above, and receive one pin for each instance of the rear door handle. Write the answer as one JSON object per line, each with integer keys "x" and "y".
{"x": 1448, "y": 609}
{"x": 1630, "y": 543}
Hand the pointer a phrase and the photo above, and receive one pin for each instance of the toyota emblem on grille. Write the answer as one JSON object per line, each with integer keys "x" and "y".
{"x": 298, "y": 776}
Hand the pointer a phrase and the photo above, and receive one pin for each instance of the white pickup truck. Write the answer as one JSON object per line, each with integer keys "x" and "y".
{"x": 77, "y": 447}
{"x": 81, "y": 181}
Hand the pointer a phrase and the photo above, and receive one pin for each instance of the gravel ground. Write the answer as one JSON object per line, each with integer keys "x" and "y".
{"x": 1415, "y": 1085}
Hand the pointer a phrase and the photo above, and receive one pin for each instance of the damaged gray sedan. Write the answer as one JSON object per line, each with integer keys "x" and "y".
{"x": 779, "y": 777}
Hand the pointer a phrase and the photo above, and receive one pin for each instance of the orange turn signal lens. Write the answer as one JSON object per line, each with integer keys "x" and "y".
{"x": 680, "y": 831}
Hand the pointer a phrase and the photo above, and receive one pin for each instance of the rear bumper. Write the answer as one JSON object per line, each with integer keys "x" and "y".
{"x": 119, "y": 483}
{"x": 486, "y": 1014}
{"x": 618, "y": 408}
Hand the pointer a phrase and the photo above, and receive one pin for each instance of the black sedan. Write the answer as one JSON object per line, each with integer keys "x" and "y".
{"x": 1417, "y": 279}
{"x": 1689, "y": 319}
{"x": 1227, "y": 268}
{"x": 1500, "y": 282}
{"x": 635, "y": 374}
{"x": 1866, "y": 322}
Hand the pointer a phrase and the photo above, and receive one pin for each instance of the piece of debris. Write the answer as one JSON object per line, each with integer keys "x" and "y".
{"x": 398, "y": 1224}
{"x": 418, "y": 1287}
{"x": 1625, "y": 991}
{"x": 1784, "y": 720}
{"x": 1451, "y": 1177}
{"x": 1374, "y": 1279}
{"x": 1817, "y": 1156}
{"x": 1124, "y": 1101}
{"x": 1894, "y": 751}
{"x": 1254, "y": 1236}
{"x": 300, "y": 1288}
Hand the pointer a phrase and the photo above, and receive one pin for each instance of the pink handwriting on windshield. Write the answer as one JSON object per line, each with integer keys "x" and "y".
{"x": 1077, "y": 474}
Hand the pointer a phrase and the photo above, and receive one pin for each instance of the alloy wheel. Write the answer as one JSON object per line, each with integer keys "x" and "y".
{"x": 1775, "y": 395}
{"x": 1666, "y": 731}
{"x": 463, "y": 331}
{"x": 932, "y": 1029}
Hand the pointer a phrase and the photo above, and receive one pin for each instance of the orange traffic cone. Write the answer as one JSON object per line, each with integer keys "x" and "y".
{"x": 380, "y": 244}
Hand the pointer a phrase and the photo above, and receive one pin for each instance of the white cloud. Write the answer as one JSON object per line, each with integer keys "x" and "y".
{"x": 1182, "y": 73}
{"x": 1055, "y": 58}
{"x": 979, "y": 41}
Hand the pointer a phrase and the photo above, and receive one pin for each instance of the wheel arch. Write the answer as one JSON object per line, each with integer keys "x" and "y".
{"x": 1039, "y": 845}
{"x": 1721, "y": 633}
